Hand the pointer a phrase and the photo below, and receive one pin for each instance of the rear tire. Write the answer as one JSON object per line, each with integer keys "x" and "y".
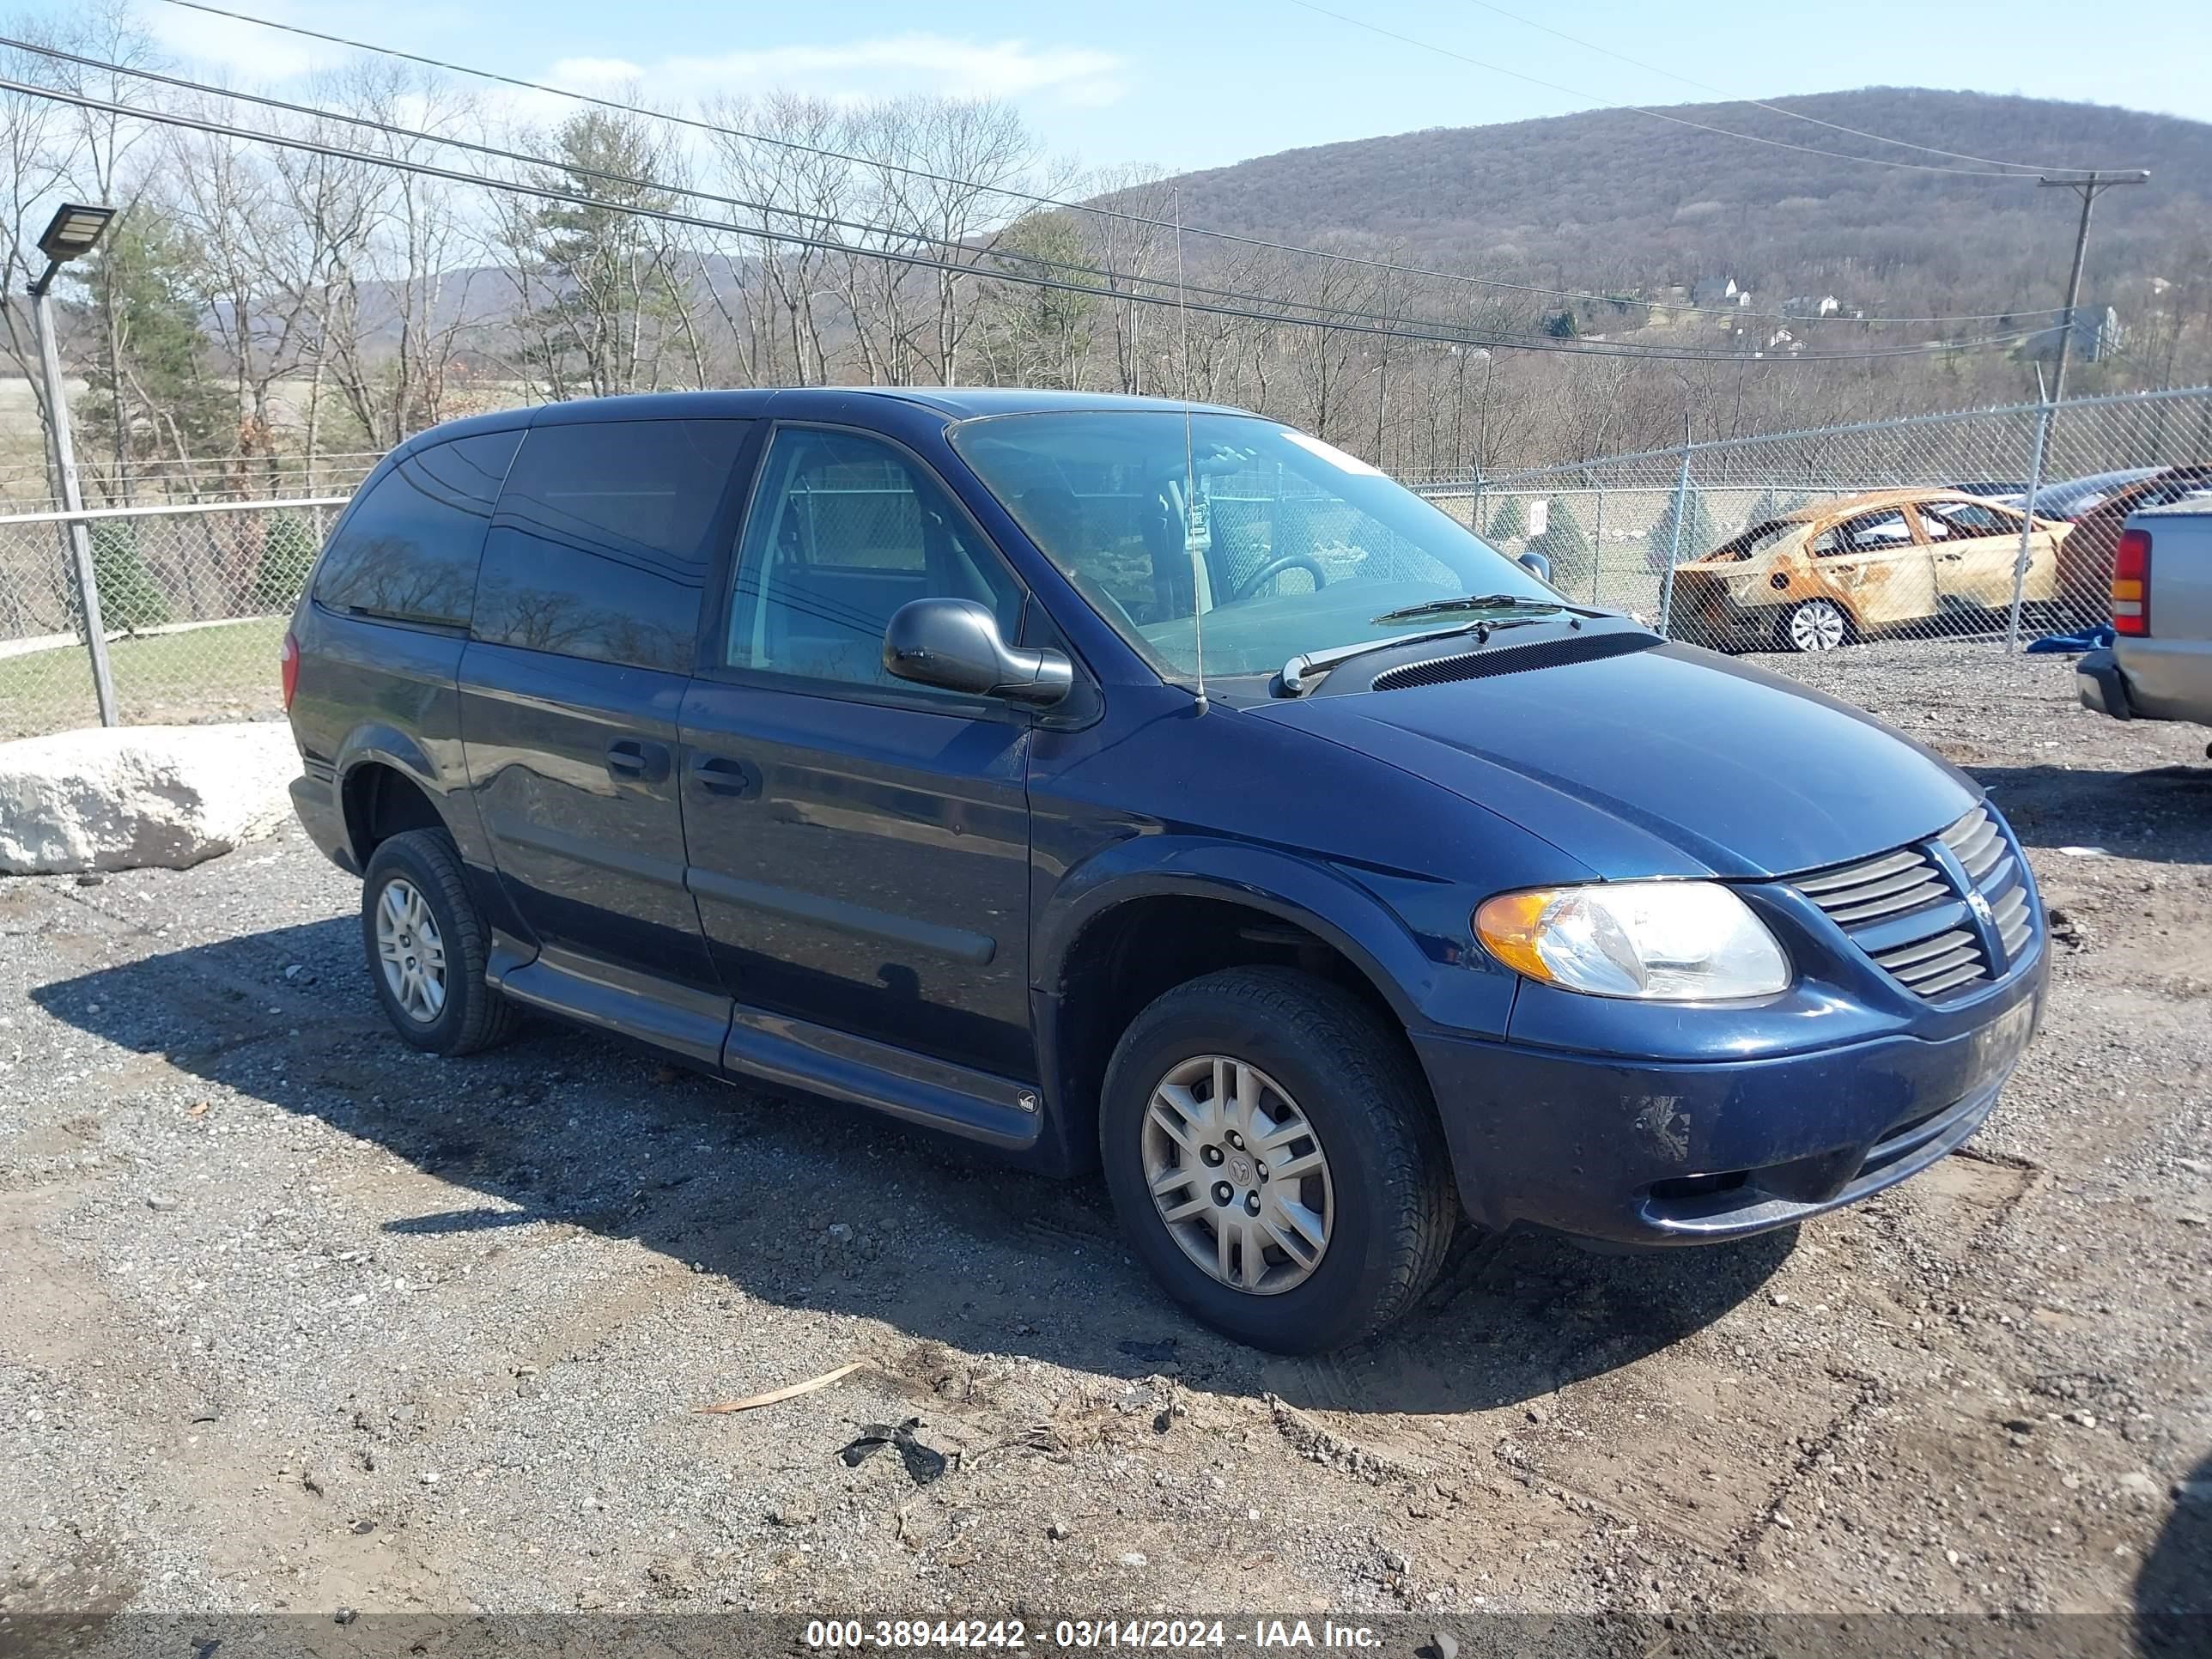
{"x": 1224, "y": 1072}
{"x": 1817, "y": 625}
{"x": 427, "y": 946}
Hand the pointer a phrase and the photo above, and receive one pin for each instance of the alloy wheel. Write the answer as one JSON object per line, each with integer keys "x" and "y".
{"x": 1237, "y": 1174}
{"x": 411, "y": 950}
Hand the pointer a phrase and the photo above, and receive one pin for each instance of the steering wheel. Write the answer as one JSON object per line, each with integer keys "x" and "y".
{"x": 1252, "y": 584}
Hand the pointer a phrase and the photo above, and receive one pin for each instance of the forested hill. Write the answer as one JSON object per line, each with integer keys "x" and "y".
{"x": 1614, "y": 200}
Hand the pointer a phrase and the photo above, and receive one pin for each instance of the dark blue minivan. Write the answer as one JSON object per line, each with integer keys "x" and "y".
{"x": 1112, "y": 782}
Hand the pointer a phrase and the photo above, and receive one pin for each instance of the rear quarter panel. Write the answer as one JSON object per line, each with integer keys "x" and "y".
{"x": 373, "y": 691}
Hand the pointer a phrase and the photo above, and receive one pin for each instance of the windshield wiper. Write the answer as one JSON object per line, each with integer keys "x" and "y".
{"x": 1470, "y": 602}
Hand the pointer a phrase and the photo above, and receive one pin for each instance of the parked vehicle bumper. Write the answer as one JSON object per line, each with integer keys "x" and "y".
{"x": 2153, "y": 679}
{"x": 1625, "y": 1150}
{"x": 2101, "y": 686}
{"x": 1720, "y": 620}
{"x": 315, "y": 800}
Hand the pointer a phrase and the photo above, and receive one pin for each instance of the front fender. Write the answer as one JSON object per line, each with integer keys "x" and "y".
{"x": 1404, "y": 944}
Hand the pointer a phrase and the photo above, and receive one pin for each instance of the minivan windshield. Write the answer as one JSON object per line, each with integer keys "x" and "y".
{"x": 1268, "y": 542}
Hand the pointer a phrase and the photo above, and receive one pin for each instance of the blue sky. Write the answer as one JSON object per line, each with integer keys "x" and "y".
{"x": 1183, "y": 85}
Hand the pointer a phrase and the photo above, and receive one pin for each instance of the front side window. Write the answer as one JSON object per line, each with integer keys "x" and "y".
{"x": 408, "y": 552}
{"x": 1232, "y": 535}
{"x": 842, "y": 531}
{"x": 601, "y": 542}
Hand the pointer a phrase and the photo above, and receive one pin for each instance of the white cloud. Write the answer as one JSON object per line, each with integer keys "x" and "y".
{"x": 884, "y": 66}
{"x": 246, "y": 51}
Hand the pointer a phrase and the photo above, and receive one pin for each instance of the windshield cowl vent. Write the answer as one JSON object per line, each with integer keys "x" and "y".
{"x": 1511, "y": 660}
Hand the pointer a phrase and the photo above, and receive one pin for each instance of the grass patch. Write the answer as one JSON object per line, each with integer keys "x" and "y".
{"x": 227, "y": 670}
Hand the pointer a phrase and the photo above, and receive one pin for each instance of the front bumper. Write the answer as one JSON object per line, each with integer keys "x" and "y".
{"x": 1640, "y": 1152}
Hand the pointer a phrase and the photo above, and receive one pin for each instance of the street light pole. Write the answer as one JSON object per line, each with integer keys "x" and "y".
{"x": 74, "y": 231}
{"x": 78, "y": 537}
{"x": 2088, "y": 185}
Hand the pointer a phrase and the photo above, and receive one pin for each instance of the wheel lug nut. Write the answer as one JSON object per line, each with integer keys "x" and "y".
{"x": 1211, "y": 1154}
{"x": 1251, "y": 1203}
{"x": 1236, "y": 1141}
{"x": 1221, "y": 1192}
{"x": 1262, "y": 1171}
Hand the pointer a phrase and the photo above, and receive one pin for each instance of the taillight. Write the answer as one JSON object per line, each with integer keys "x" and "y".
{"x": 287, "y": 664}
{"x": 2131, "y": 584}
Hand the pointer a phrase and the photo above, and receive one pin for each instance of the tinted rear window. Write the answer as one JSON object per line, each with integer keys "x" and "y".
{"x": 600, "y": 545}
{"x": 408, "y": 549}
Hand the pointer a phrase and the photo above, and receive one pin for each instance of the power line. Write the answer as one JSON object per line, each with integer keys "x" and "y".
{"x": 165, "y": 117}
{"x": 1640, "y": 109}
{"x": 2024, "y": 167}
{"x": 315, "y": 111}
{"x": 696, "y": 123}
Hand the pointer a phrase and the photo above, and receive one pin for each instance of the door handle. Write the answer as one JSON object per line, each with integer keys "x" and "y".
{"x": 634, "y": 759}
{"x": 1950, "y": 558}
{"x": 718, "y": 775}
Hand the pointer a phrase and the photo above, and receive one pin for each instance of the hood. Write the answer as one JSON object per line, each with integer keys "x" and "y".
{"x": 1669, "y": 762}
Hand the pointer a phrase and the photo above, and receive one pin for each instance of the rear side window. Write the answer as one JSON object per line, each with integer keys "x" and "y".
{"x": 408, "y": 550}
{"x": 600, "y": 545}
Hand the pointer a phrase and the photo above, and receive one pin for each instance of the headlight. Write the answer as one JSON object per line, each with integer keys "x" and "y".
{"x": 1670, "y": 941}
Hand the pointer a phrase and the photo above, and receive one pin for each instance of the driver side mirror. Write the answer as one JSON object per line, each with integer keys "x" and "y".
{"x": 956, "y": 646}
{"x": 1537, "y": 565}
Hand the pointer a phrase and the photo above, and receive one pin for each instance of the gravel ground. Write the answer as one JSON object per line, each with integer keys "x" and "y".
{"x": 296, "y": 1319}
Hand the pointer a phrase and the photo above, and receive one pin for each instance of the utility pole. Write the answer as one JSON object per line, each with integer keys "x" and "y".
{"x": 2089, "y": 185}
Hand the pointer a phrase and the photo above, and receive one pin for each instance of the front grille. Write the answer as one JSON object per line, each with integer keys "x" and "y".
{"x": 1911, "y": 914}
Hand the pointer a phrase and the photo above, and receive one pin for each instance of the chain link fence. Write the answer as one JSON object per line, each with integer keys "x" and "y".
{"x": 27, "y": 486}
{"x": 192, "y": 603}
{"x": 1990, "y": 522}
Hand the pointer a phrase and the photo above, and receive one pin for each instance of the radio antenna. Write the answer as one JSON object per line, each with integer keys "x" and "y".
{"x": 1189, "y": 468}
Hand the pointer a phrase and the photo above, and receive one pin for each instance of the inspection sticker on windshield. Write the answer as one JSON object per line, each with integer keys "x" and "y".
{"x": 1335, "y": 456}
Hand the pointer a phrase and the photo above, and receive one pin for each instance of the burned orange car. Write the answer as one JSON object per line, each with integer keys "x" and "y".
{"x": 1839, "y": 570}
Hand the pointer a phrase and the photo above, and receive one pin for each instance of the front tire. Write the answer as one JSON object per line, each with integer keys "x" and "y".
{"x": 1274, "y": 1157}
{"x": 427, "y": 947}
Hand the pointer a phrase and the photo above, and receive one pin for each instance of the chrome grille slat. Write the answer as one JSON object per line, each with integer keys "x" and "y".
{"x": 1926, "y": 890}
{"x": 1974, "y": 842}
{"x": 1899, "y": 907}
{"x": 1905, "y": 956}
{"x": 1851, "y": 876}
{"x": 1967, "y": 956}
{"x": 1956, "y": 977}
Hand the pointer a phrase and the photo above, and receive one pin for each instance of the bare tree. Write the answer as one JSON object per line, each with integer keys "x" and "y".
{"x": 230, "y": 200}
{"x": 799, "y": 191}
{"x": 381, "y": 259}
{"x": 1133, "y": 247}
